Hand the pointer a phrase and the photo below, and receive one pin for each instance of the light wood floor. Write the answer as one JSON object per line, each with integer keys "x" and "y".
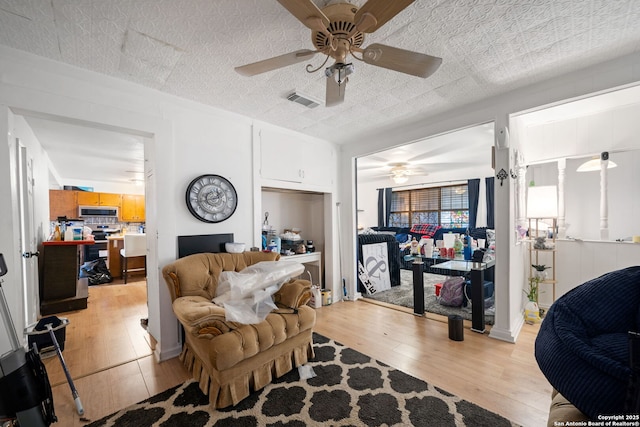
{"x": 109, "y": 356}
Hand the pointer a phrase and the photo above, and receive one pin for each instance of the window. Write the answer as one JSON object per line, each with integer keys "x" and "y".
{"x": 446, "y": 206}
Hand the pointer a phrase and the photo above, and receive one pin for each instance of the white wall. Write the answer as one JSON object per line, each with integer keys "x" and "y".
{"x": 608, "y": 130}
{"x": 10, "y": 244}
{"x": 579, "y": 261}
{"x": 183, "y": 140}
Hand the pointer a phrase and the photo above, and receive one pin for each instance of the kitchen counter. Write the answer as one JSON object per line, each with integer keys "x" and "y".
{"x": 113, "y": 256}
{"x": 68, "y": 242}
{"x": 60, "y": 287}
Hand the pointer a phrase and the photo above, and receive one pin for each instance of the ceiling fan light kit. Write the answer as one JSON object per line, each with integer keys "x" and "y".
{"x": 337, "y": 32}
{"x": 399, "y": 173}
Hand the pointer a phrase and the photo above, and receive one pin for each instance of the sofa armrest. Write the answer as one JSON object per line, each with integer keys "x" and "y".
{"x": 561, "y": 411}
{"x": 293, "y": 294}
{"x": 200, "y": 316}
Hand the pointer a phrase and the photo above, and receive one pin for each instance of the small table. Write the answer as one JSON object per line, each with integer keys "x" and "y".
{"x": 313, "y": 258}
{"x": 418, "y": 279}
{"x": 477, "y": 270}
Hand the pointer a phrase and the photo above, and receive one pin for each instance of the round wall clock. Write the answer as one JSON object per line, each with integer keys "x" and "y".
{"x": 211, "y": 198}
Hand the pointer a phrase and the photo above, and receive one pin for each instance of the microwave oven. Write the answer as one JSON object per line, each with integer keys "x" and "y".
{"x": 99, "y": 211}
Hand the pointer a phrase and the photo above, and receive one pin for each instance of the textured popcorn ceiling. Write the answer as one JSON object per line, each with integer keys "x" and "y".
{"x": 190, "y": 47}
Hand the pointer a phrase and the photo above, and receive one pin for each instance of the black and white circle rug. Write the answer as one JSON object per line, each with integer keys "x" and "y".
{"x": 349, "y": 389}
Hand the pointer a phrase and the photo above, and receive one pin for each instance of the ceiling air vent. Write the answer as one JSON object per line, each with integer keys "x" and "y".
{"x": 303, "y": 99}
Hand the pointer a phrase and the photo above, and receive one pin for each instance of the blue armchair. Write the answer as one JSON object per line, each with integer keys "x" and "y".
{"x": 582, "y": 347}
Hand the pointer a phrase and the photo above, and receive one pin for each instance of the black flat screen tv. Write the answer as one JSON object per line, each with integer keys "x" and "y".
{"x": 188, "y": 245}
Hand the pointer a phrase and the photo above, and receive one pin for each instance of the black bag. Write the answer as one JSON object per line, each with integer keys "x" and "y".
{"x": 96, "y": 272}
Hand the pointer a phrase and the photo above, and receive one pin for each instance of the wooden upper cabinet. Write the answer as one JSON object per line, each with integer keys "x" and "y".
{"x": 90, "y": 198}
{"x": 62, "y": 203}
{"x": 132, "y": 208}
{"x": 109, "y": 199}
{"x": 66, "y": 203}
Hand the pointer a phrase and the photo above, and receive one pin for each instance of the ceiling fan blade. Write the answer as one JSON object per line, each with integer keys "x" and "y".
{"x": 382, "y": 11}
{"x": 303, "y": 10}
{"x": 404, "y": 61}
{"x": 335, "y": 91}
{"x": 275, "y": 62}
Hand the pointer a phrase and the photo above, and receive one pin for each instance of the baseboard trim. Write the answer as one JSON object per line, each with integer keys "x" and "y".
{"x": 165, "y": 354}
{"x": 508, "y": 335}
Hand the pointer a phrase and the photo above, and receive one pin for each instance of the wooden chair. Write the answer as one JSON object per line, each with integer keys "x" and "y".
{"x": 135, "y": 246}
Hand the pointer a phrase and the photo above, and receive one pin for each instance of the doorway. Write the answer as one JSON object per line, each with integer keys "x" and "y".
{"x": 424, "y": 182}
{"x": 108, "y": 160}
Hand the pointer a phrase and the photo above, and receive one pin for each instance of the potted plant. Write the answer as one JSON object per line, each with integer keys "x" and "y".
{"x": 531, "y": 309}
{"x": 540, "y": 272}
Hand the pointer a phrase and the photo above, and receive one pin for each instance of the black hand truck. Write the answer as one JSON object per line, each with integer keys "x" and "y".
{"x": 25, "y": 392}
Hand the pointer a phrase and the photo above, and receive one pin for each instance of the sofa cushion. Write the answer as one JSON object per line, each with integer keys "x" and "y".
{"x": 198, "y": 274}
{"x": 293, "y": 294}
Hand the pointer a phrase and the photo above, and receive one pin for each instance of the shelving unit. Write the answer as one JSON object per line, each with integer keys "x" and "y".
{"x": 536, "y": 256}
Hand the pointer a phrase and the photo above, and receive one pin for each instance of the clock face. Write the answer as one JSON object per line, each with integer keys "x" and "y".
{"x": 211, "y": 198}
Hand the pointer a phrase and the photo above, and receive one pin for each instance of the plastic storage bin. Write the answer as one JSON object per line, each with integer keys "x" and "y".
{"x": 39, "y": 334}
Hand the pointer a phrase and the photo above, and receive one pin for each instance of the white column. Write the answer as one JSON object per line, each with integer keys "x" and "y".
{"x": 521, "y": 190}
{"x": 604, "y": 204}
{"x": 562, "y": 228}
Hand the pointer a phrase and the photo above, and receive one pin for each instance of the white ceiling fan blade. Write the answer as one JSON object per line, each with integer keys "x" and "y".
{"x": 275, "y": 62}
{"x": 335, "y": 91}
{"x": 305, "y": 9}
{"x": 381, "y": 10}
{"x": 404, "y": 61}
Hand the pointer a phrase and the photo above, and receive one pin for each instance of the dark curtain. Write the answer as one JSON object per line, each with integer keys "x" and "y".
{"x": 474, "y": 192}
{"x": 388, "y": 193}
{"x": 490, "y": 203}
{"x": 381, "y": 217}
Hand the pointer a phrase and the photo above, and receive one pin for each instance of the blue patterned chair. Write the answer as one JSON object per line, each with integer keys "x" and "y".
{"x": 582, "y": 347}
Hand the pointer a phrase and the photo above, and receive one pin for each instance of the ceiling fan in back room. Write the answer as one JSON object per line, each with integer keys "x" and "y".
{"x": 338, "y": 32}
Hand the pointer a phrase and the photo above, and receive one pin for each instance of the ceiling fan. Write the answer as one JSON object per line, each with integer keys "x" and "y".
{"x": 400, "y": 172}
{"x": 338, "y": 32}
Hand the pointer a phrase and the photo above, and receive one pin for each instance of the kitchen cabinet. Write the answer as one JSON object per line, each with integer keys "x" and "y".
{"x": 281, "y": 160}
{"x": 62, "y": 203}
{"x": 89, "y": 198}
{"x": 66, "y": 202}
{"x": 60, "y": 288}
{"x": 133, "y": 209}
{"x": 284, "y": 157}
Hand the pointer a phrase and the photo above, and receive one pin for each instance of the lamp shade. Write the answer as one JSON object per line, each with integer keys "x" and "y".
{"x": 594, "y": 165}
{"x": 542, "y": 201}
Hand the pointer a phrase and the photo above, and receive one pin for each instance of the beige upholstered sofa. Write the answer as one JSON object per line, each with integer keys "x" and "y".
{"x": 562, "y": 411}
{"x": 231, "y": 359}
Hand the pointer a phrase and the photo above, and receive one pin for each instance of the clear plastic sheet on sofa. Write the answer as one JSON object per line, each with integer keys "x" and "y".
{"x": 247, "y": 295}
